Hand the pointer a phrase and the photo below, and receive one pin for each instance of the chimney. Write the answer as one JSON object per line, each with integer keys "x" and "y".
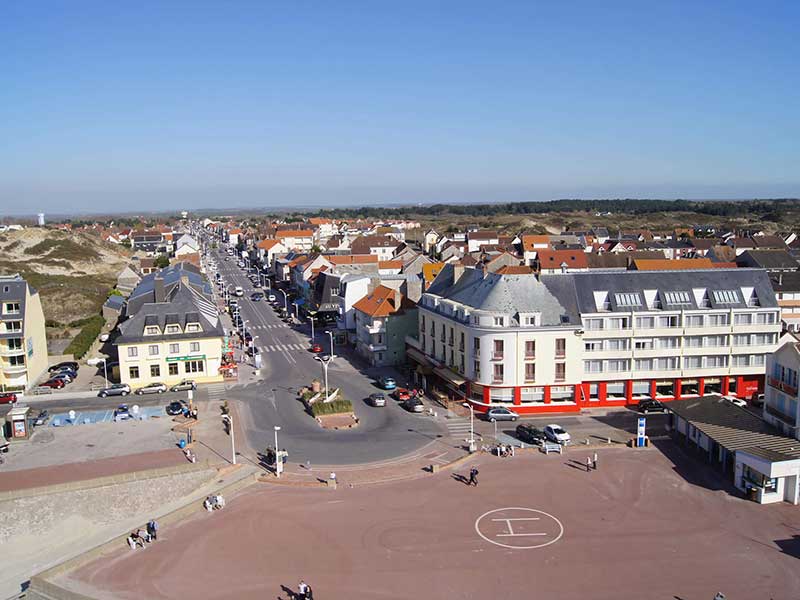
{"x": 398, "y": 299}
{"x": 158, "y": 288}
{"x": 458, "y": 271}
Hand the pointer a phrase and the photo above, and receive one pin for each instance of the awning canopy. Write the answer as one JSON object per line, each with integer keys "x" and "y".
{"x": 450, "y": 376}
{"x": 418, "y": 357}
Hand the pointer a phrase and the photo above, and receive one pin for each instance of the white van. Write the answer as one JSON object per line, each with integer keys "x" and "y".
{"x": 238, "y": 291}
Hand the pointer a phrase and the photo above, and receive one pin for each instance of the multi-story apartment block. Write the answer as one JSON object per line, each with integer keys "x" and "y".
{"x": 383, "y": 320}
{"x": 178, "y": 336}
{"x": 23, "y": 345}
{"x": 781, "y": 404}
{"x": 563, "y": 342}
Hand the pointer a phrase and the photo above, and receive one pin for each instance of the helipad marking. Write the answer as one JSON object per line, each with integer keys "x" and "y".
{"x": 510, "y": 533}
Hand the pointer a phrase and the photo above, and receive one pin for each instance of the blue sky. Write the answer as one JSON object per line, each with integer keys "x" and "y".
{"x": 154, "y": 105}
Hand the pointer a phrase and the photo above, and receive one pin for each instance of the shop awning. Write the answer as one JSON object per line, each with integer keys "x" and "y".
{"x": 418, "y": 357}
{"x": 450, "y": 376}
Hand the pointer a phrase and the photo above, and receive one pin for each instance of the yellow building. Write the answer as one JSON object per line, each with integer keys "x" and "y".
{"x": 178, "y": 338}
{"x": 23, "y": 345}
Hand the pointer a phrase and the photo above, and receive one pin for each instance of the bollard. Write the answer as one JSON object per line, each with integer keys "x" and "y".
{"x": 586, "y": 442}
{"x": 434, "y": 468}
{"x": 608, "y": 440}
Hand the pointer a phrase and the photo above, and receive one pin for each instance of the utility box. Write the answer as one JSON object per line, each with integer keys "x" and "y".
{"x": 17, "y": 423}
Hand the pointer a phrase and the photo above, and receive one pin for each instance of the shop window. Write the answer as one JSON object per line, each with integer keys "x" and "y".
{"x": 155, "y": 371}
{"x": 133, "y": 372}
{"x": 501, "y": 395}
{"x": 173, "y": 368}
{"x": 532, "y": 394}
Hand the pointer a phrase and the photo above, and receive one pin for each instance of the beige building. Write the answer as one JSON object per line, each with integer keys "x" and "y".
{"x": 179, "y": 336}
{"x": 23, "y": 345}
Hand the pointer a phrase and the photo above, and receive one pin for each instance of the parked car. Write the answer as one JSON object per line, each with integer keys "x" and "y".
{"x": 174, "y": 408}
{"x": 387, "y": 383}
{"x": 118, "y": 389}
{"x": 401, "y": 394}
{"x": 7, "y": 398}
{"x": 737, "y": 401}
{"x": 556, "y": 433}
{"x": 63, "y": 376}
{"x": 414, "y": 405}
{"x": 316, "y": 348}
{"x": 377, "y": 399}
{"x": 152, "y": 388}
{"x": 530, "y": 434}
{"x": 501, "y": 414}
{"x": 648, "y": 406}
{"x": 55, "y": 384}
{"x": 186, "y": 384}
{"x": 121, "y": 413}
{"x": 758, "y": 400}
{"x": 69, "y": 364}
{"x": 65, "y": 371}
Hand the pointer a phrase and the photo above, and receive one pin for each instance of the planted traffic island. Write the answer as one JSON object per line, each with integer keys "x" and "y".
{"x": 333, "y": 412}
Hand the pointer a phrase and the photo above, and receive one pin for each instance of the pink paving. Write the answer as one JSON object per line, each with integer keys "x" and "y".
{"x": 43, "y": 476}
{"x": 640, "y": 526}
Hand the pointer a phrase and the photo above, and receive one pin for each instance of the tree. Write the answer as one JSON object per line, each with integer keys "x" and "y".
{"x": 162, "y": 261}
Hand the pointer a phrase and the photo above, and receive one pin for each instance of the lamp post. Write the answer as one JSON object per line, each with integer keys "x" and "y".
{"x": 285, "y": 300}
{"x": 311, "y": 319}
{"x": 278, "y": 463}
{"x": 330, "y": 333}
{"x": 325, "y": 371}
{"x": 471, "y": 439}
{"x": 228, "y": 419}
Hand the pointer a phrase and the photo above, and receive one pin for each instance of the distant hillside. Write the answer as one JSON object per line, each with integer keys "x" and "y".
{"x": 72, "y": 271}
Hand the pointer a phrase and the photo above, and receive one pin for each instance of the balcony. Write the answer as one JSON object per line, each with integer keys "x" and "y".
{"x": 8, "y": 368}
{"x": 6, "y": 351}
{"x": 772, "y": 411}
{"x": 784, "y": 387}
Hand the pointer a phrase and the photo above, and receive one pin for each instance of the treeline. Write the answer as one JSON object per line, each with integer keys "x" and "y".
{"x": 631, "y": 206}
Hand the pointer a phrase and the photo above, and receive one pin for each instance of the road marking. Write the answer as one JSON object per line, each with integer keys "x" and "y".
{"x": 547, "y": 526}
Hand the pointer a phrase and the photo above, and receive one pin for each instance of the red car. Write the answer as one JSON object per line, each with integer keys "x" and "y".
{"x": 7, "y": 398}
{"x": 53, "y": 383}
{"x": 402, "y": 394}
{"x": 316, "y": 348}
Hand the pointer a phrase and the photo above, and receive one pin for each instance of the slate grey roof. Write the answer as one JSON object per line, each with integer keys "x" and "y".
{"x": 786, "y": 282}
{"x": 16, "y": 286}
{"x": 186, "y": 305}
{"x": 116, "y": 302}
{"x": 735, "y": 428}
{"x": 145, "y": 291}
{"x": 767, "y": 259}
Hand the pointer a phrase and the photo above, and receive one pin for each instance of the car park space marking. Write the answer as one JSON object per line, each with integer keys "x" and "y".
{"x": 516, "y": 526}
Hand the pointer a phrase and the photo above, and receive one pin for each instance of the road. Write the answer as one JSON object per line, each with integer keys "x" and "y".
{"x": 287, "y": 364}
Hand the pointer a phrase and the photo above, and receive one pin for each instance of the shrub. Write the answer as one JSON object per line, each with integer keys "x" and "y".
{"x": 81, "y": 343}
{"x": 334, "y": 407}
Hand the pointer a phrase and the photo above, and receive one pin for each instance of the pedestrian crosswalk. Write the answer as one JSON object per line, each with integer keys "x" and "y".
{"x": 458, "y": 427}
{"x": 282, "y": 347}
{"x": 270, "y": 326}
{"x": 216, "y": 391}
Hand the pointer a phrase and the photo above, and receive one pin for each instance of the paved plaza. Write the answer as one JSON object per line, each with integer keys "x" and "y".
{"x": 645, "y": 524}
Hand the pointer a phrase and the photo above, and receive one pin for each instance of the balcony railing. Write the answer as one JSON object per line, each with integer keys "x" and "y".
{"x": 497, "y": 379}
{"x": 497, "y": 355}
{"x": 789, "y": 419}
{"x": 5, "y": 351}
{"x": 782, "y": 385}
{"x": 530, "y": 356}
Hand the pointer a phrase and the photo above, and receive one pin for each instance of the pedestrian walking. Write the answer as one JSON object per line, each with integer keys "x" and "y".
{"x": 152, "y": 529}
{"x": 588, "y": 463}
{"x": 302, "y": 589}
{"x": 473, "y": 477}
{"x": 594, "y": 461}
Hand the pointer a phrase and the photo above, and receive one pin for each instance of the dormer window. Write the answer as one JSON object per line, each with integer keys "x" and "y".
{"x": 192, "y": 327}
{"x": 173, "y": 329}
{"x": 498, "y": 321}
{"x": 151, "y": 330}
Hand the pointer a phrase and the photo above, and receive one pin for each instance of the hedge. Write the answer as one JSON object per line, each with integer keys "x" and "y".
{"x": 80, "y": 345}
{"x": 331, "y": 408}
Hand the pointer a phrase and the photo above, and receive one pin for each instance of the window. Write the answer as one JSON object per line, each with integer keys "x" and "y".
{"x": 668, "y": 342}
{"x": 11, "y": 308}
{"x": 561, "y": 371}
{"x": 618, "y": 344}
{"x": 743, "y": 319}
{"x": 594, "y": 324}
{"x": 498, "y": 321}
{"x": 15, "y": 343}
{"x": 173, "y": 368}
{"x": 764, "y": 318}
{"x": 174, "y": 348}
{"x": 151, "y": 330}
{"x": 594, "y": 346}
{"x": 668, "y": 363}
{"x": 498, "y": 350}
{"x": 619, "y": 323}
{"x": 645, "y": 322}
{"x": 173, "y": 329}
{"x": 679, "y": 298}
{"x": 717, "y": 320}
{"x": 668, "y": 321}
{"x": 593, "y": 366}
{"x": 155, "y": 371}
{"x": 694, "y": 320}
{"x": 133, "y": 351}
{"x": 644, "y": 344}
{"x": 628, "y": 299}
{"x": 134, "y": 372}
{"x": 152, "y": 350}
{"x": 16, "y": 361}
{"x": 617, "y": 365}
{"x": 530, "y": 372}
{"x": 561, "y": 347}
{"x": 725, "y": 296}
{"x": 692, "y": 362}
{"x": 530, "y": 349}
{"x": 497, "y": 376}
{"x": 643, "y": 364}
{"x": 461, "y": 342}
{"x": 13, "y": 325}
{"x": 193, "y": 366}
{"x": 477, "y": 368}
{"x": 716, "y": 361}
{"x": 192, "y": 327}
{"x": 531, "y": 320}
{"x": 532, "y": 394}
{"x": 195, "y": 346}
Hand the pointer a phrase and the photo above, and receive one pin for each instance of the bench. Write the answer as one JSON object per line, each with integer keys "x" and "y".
{"x": 548, "y": 447}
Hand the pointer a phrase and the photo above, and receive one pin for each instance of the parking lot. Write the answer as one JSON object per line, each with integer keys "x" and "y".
{"x": 645, "y": 524}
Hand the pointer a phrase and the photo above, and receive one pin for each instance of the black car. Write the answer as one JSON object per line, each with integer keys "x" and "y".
{"x": 174, "y": 408}
{"x": 62, "y": 365}
{"x": 413, "y": 405}
{"x": 648, "y": 406}
{"x": 530, "y": 434}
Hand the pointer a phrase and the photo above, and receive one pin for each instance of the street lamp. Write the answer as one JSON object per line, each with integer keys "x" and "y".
{"x": 471, "y": 439}
{"x": 330, "y": 333}
{"x": 285, "y": 300}
{"x": 325, "y": 363}
{"x": 278, "y": 463}
{"x": 229, "y": 420}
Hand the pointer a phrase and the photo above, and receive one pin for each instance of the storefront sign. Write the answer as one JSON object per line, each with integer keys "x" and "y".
{"x": 185, "y": 358}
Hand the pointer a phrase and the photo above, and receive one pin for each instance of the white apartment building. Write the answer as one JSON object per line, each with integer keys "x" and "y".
{"x": 781, "y": 404}
{"x": 23, "y": 344}
{"x": 563, "y": 342}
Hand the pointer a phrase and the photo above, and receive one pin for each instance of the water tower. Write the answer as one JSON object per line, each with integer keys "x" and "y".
{"x": 40, "y": 218}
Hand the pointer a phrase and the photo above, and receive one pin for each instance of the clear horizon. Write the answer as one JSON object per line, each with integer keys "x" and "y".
{"x": 190, "y": 106}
